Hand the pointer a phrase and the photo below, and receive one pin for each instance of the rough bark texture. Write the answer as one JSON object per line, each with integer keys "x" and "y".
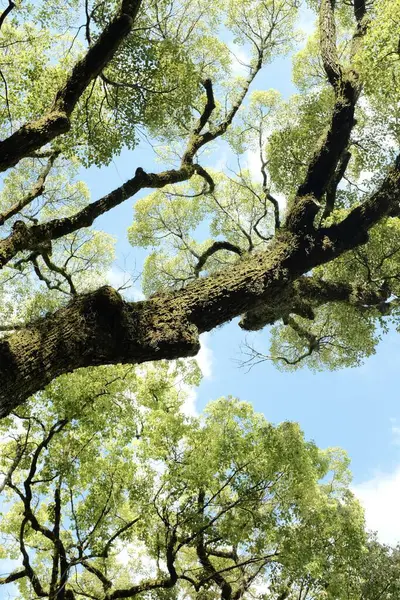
{"x": 100, "y": 328}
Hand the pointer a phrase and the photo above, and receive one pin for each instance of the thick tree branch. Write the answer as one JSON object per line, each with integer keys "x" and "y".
{"x": 275, "y": 204}
{"x": 333, "y": 185}
{"x": 56, "y": 532}
{"x": 100, "y": 328}
{"x": 324, "y": 163}
{"x": 208, "y": 109}
{"x": 106, "y": 583}
{"x": 214, "y": 574}
{"x": 327, "y": 30}
{"x": 307, "y": 294}
{"x": 34, "y": 135}
{"x": 360, "y": 10}
{"x": 28, "y": 238}
{"x": 13, "y": 577}
{"x": 33, "y": 578}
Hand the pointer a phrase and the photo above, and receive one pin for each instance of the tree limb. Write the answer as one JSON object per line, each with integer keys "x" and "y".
{"x": 35, "y": 134}
{"x": 327, "y": 30}
{"x": 333, "y": 185}
{"x": 347, "y": 90}
{"x": 106, "y": 583}
{"x": 13, "y": 466}
{"x": 100, "y": 328}
{"x": 6, "y": 12}
{"x": 13, "y": 577}
{"x": 216, "y": 247}
{"x": 223, "y": 584}
{"x": 37, "y": 586}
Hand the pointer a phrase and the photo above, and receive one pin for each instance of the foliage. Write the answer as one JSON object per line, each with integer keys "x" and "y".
{"x": 110, "y": 490}
{"x": 131, "y": 504}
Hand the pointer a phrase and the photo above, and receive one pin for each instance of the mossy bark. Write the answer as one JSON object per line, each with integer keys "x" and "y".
{"x": 101, "y": 328}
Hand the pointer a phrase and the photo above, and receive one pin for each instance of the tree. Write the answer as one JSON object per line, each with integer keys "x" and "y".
{"x": 104, "y": 507}
{"x": 324, "y": 271}
{"x": 374, "y": 576}
{"x": 378, "y": 572}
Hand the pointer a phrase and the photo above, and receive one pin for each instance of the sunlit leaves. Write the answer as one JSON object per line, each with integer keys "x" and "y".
{"x": 262, "y": 488}
{"x": 379, "y": 61}
{"x": 342, "y": 336}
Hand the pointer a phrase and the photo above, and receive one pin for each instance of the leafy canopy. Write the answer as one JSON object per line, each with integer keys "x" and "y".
{"x": 116, "y": 498}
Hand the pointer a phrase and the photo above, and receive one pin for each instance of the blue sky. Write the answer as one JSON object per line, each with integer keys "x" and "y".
{"x": 357, "y": 409}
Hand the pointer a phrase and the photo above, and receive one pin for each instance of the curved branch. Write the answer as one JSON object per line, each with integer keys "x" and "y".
{"x": 33, "y": 578}
{"x": 106, "y": 583}
{"x": 6, "y": 12}
{"x": 223, "y": 584}
{"x": 275, "y": 204}
{"x": 208, "y": 108}
{"x": 13, "y": 466}
{"x": 112, "y": 539}
{"x": 198, "y": 140}
{"x": 216, "y": 247}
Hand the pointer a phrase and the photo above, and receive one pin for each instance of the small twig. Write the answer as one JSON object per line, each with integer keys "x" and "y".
{"x": 35, "y": 192}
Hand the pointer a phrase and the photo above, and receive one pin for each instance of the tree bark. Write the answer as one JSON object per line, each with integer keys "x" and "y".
{"x": 100, "y": 328}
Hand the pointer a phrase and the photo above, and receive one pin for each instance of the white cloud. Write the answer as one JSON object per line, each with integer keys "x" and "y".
{"x": 240, "y": 61}
{"x": 122, "y": 281}
{"x": 380, "y": 497}
{"x": 205, "y": 356}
